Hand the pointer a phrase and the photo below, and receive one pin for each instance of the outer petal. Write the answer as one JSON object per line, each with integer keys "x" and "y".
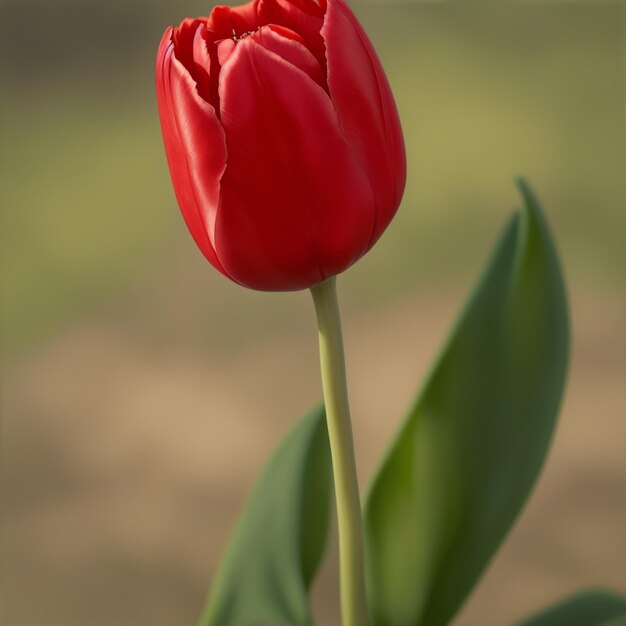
{"x": 194, "y": 145}
{"x": 363, "y": 99}
{"x": 295, "y": 206}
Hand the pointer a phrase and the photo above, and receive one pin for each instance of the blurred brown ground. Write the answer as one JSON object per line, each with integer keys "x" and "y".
{"x": 141, "y": 392}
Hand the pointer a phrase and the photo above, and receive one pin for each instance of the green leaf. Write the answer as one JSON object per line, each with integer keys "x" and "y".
{"x": 467, "y": 456}
{"x": 280, "y": 538}
{"x": 590, "y": 608}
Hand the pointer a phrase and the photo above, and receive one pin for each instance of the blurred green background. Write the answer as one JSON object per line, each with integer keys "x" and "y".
{"x": 141, "y": 391}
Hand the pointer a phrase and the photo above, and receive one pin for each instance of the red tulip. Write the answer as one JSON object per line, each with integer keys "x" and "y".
{"x": 282, "y": 138}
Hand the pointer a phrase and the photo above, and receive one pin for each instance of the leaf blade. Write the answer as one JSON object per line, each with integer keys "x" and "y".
{"x": 471, "y": 448}
{"x": 280, "y": 538}
{"x": 590, "y": 608}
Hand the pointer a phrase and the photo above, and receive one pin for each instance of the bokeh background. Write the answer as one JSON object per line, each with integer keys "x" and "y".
{"x": 142, "y": 392}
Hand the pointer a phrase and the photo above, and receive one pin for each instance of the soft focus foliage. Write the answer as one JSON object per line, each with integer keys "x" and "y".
{"x": 590, "y": 608}
{"x": 277, "y": 547}
{"x": 471, "y": 449}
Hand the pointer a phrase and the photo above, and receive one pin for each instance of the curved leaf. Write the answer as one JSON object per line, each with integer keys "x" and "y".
{"x": 472, "y": 447}
{"x": 280, "y": 538}
{"x": 589, "y": 608}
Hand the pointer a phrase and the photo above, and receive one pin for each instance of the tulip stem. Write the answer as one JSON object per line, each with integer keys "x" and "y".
{"x": 351, "y": 568}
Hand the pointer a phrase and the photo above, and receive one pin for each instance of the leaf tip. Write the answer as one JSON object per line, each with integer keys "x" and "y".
{"x": 530, "y": 199}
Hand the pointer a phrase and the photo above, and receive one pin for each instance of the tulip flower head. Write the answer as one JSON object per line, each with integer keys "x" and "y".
{"x": 282, "y": 139}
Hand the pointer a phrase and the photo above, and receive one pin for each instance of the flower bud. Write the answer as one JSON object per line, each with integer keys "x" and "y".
{"x": 282, "y": 138}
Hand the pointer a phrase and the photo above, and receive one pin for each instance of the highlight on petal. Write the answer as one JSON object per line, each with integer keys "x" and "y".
{"x": 295, "y": 206}
{"x": 195, "y": 147}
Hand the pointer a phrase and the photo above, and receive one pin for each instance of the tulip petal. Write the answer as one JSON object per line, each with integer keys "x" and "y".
{"x": 295, "y": 206}
{"x": 304, "y": 17}
{"x": 195, "y": 147}
{"x": 226, "y": 21}
{"x": 202, "y": 62}
{"x": 183, "y": 36}
{"x": 290, "y": 46}
{"x": 225, "y": 48}
{"x": 366, "y": 108}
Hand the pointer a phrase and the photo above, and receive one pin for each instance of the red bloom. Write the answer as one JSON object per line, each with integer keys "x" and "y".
{"x": 282, "y": 138}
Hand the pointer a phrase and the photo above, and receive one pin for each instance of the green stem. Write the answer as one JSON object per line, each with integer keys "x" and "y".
{"x": 352, "y": 574}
